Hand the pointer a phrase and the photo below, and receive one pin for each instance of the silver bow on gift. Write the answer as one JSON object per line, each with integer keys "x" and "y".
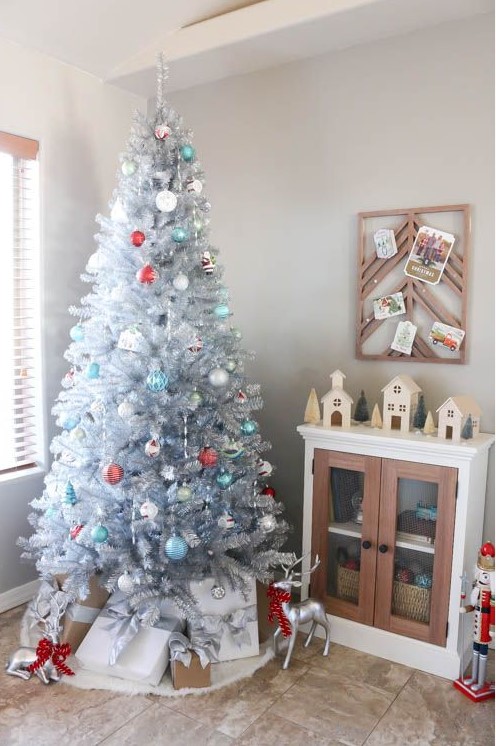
{"x": 213, "y": 626}
{"x": 123, "y": 626}
{"x": 181, "y": 649}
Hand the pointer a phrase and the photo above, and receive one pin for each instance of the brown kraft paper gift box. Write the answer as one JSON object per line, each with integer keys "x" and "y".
{"x": 192, "y": 677}
{"x": 79, "y": 616}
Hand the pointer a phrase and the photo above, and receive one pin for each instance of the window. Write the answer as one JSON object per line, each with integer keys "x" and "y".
{"x": 397, "y": 389}
{"x": 402, "y": 407}
{"x": 337, "y": 402}
{"x": 450, "y": 413}
{"x": 390, "y": 407}
{"x": 19, "y": 337}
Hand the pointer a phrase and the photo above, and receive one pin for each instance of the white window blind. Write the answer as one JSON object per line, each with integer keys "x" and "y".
{"x": 19, "y": 306}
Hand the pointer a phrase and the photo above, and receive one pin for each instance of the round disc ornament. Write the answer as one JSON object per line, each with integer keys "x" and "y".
{"x": 99, "y": 534}
{"x": 176, "y": 548}
{"x": 137, "y": 238}
{"x": 125, "y": 583}
{"x": 157, "y": 381}
{"x": 265, "y": 469}
{"x": 147, "y": 275}
{"x": 162, "y": 131}
{"x": 149, "y": 510}
{"x": 113, "y": 473}
{"x": 218, "y": 592}
{"x": 218, "y": 377}
{"x": 180, "y": 282}
{"x": 194, "y": 185}
{"x": 152, "y": 448}
{"x": 166, "y": 201}
{"x": 226, "y": 521}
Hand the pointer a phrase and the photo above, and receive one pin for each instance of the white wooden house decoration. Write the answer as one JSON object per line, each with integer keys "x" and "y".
{"x": 337, "y": 403}
{"x": 400, "y": 402}
{"x": 453, "y": 415}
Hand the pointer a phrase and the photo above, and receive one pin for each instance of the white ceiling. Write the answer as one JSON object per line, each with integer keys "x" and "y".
{"x": 205, "y": 40}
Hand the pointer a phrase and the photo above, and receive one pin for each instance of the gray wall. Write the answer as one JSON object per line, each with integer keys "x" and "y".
{"x": 291, "y": 155}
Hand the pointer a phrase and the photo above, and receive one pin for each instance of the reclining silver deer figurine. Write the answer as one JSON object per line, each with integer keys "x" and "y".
{"x": 310, "y": 610}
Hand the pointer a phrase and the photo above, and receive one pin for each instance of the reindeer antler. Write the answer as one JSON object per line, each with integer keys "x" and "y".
{"x": 308, "y": 572}
{"x": 287, "y": 568}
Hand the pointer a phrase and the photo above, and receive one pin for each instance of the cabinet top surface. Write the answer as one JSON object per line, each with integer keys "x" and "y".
{"x": 364, "y": 436}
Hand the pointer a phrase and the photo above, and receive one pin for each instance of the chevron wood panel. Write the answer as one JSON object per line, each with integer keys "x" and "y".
{"x": 424, "y": 303}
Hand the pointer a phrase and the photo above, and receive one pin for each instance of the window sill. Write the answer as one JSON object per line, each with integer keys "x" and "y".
{"x": 17, "y": 476}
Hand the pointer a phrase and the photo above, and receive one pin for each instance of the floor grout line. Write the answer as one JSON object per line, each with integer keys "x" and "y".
{"x": 124, "y": 725}
{"x": 389, "y": 707}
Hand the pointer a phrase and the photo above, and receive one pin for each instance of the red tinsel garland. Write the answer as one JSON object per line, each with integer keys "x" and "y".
{"x": 277, "y": 597}
{"x": 58, "y": 652}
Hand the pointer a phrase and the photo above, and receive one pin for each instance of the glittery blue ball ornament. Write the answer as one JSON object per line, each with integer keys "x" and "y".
{"x": 70, "y": 422}
{"x": 176, "y": 548}
{"x": 224, "y": 479}
{"x": 70, "y": 494}
{"x": 77, "y": 333}
{"x": 187, "y": 153}
{"x": 249, "y": 427}
{"x": 93, "y": 371}
{"x": 157, "y": 381}
{"x": 423, "y": 580}
{"x": 99, "y": 534}
{"x": 179, "y": 235}
{"x": 221, "y": 311}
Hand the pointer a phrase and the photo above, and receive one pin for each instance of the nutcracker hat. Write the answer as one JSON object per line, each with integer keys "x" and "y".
{"x": 485, "y": 560}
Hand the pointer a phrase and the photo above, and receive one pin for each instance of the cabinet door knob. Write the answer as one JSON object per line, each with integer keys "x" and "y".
{"x": 366, "y": 544}
{"x": 383, "y": 548}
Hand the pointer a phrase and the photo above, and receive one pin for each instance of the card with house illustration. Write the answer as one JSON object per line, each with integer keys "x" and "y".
{"x": 446, "y": 336}
{"x": 389, "y": 305}
{"x": 429, "y": 255}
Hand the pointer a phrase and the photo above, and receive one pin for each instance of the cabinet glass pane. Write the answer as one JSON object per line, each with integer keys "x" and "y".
{"x": 345, "y": 532}
{"x": 414, "y": 550}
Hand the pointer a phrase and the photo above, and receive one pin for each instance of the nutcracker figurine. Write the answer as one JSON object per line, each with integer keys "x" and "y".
{"x": 482, "y": 604}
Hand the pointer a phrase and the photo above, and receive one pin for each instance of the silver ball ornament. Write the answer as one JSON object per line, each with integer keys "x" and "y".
{"x": 267, "y": 523}
{"x": 180, "y": 282}
{"x": 125, "y": 410}
{"x": 125, "y": 583}
{"x": 218, "y": 377}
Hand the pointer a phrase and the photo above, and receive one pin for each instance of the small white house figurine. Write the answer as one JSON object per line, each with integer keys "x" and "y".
{"x": 453, "y": 414}
{"x": 337, "y": 403}
{"x": 400, "y": 401}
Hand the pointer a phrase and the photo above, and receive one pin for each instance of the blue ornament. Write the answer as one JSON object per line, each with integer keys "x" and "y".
{"x": 249, "y": 427}
{"x": 423, "y": 580}
{"x": 93, "y": 371}
{"x": 99, "y": 534}
{"x": 157, "y": 381}
{"x": 224, "y": 479}
{"x": 77, "y": 333}
{"x": 71, "y": 422}
{"x": 222, "y": 311}
{"x": 187, "y": 153}
{"x": 70, "y": 494}
{"x": 176, "y": 548}
{"x": 179, "y": 235}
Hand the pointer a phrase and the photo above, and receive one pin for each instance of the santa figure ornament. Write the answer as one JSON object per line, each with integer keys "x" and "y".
{"x": 475, "y": 686}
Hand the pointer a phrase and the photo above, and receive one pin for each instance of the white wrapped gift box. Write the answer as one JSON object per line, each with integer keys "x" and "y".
{"x": 144, "y": 658}
{"x": 232, "y": 619}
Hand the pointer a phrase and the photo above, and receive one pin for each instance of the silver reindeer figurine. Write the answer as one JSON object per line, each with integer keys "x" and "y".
{"x": 19, "y": 661}
{"x": 310, "y": 610}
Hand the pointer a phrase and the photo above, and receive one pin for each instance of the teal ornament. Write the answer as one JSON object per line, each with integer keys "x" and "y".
{"x": 176, "y": 548}
{"x": 70, "y": 494}
{"x": 128, "y": 168}
{"x": 222, "y": 311}
{"x": 157, "y": 381}
{"x": 423, "y": 580}
{"x": 99, "y": 534}
{"x": 93, "y": 371}
{"x": 249, "y": 427}
{"x": 179, "y": 235}
{"x": 187, "y": 153}
{"x": 77, "y": 333}
{"x": 183, "y": 493}
{"x": 195, "y": 399}
{"x": 70, "y": 422}
{"x": 231, "y": 365}
{"x": 224, "y": 479}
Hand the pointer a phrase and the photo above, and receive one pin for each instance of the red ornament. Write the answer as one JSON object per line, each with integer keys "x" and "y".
{"x": 241, "y": 397}
{"x": 208, "y": 456}
{"x": 137, "y": 238}
{"x": 269, "y": 491}
{"x": 76, "y": 530}
{"x": 404, "y": 575}
{"x": 352, "y": 564}
{"x": 197, "y": 345}
{"x": 147, "y": 275}
{"x": 113, "y": 473}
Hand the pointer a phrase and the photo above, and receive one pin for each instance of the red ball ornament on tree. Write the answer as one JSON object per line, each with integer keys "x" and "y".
{"x": 147, "y": 275}
{"x": 137, "y": 238}
{"x": 113, "y": 473}
{"x": 208, "y": 457}
{"x": 268, "y": 491}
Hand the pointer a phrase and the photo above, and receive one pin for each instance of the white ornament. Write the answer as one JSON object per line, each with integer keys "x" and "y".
{"x": 125, "y": 583}
{"x": 152, "y": 448}
{"x": 226, "y": 521}
{"x": 265, "y": 469}
{"x": 267, "y": 523}
{"x": 166, "y": 201}
{"x": 149, "y": 510}
{"x": 118, "y": 213}
{"x": 184, "y": 493}
{"x": 180, "y": 282}
{"x": 78, "y": 433}
{"x": 125, "y": 410}
{"x": 162, "y": 131}
{"x": 130, "y": 339}
{"x": 94, "y": 263}
{"x": 194, "y": 185}
{"x": 218, "y": 377}
{"x": 168, "y": 473}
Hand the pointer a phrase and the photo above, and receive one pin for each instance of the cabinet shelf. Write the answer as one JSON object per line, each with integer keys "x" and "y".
{"x": 346, "y": 529}
{"x": 355, "y": 531}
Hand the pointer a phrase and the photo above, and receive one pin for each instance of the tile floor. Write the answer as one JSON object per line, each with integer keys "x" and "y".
{"x": 348, "y": 698}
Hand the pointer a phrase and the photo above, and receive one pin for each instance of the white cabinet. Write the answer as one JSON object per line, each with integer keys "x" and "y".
{"x": 396, "y": 519}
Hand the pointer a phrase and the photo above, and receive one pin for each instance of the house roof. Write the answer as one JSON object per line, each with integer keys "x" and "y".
{"x": 337, "y": 372}
{"x": 464, "y": 404}
{"x": 406, "y": 381}
{"x": 337, "y": 392}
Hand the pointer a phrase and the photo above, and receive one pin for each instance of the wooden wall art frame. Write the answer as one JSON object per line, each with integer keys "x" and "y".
{"x": 424, "y": 303}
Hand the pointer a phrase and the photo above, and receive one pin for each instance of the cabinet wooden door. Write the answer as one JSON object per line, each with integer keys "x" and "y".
{"x": 415, "y": 547}
{"x": 344, "y": 532}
